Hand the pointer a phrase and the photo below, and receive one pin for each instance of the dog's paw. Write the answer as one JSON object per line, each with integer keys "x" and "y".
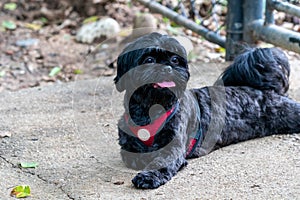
{"x": 148, "y": 180}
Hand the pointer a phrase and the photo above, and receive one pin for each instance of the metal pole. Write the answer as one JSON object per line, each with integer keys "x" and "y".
{"x": 269, "y": 14}
{"x": 234, "y": 28}
{"x": 276, "y": 35}
{"x": 285, "y": 7}
{"x": 253, "y": 10}
{"x": 207, "y": 34}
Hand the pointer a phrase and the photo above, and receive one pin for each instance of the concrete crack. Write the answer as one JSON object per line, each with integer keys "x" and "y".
{"x": 36, "y": 175}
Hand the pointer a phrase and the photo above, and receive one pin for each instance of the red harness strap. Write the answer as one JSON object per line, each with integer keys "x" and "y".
{"x": 147, "y": 133}
{"x": 191, "y": 146}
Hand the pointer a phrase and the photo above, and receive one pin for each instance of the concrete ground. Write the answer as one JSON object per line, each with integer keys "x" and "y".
{"x": 70, "y": 131}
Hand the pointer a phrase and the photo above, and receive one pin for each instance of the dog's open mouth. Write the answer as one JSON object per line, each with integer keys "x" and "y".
{"x": 164, "y": 84}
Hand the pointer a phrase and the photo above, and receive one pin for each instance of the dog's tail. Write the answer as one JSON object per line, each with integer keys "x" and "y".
{"x": 260, "y": 68}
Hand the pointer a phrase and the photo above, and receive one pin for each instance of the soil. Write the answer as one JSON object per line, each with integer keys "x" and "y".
{"x": 35, "y": 47}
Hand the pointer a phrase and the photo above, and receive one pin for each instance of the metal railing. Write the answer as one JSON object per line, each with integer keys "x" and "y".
{"x": 247, "y": 21}
{"x": 259, "y": 24}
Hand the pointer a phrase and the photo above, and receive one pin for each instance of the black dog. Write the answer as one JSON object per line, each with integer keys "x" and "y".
{"x": 164, "y": 124}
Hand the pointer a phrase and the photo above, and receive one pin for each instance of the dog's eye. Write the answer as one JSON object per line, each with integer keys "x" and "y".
{"x": 174, "y": 60}
{"x": 149, "y": 60}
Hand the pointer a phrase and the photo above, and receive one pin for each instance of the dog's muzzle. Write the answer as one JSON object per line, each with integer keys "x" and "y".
{"x": 167, "y": 72}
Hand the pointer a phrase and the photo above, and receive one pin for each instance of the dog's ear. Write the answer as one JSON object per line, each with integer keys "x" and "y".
{"x": 121, "y": 70}
{"x": 125, "y": 62}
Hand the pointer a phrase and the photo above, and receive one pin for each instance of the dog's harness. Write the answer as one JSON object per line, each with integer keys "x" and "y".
{"x": 147, "y": 133}
{"x": 194, "y": 141}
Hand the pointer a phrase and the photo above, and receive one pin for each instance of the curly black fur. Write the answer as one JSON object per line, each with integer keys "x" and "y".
{"x": 252, "y": 104}
{"x": 263, "y": 69}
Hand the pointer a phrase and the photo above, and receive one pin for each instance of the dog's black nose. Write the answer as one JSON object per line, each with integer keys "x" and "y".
{"x": 167, "y": 69}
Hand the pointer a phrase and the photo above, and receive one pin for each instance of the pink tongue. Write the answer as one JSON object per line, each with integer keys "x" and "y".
{"x": 166, "y": 84}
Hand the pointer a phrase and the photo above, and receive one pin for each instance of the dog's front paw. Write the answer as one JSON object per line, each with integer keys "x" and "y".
{"x": 148, "y": 179}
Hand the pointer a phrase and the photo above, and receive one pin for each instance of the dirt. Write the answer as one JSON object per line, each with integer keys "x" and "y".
{"x": 44, "y": 39}
{"x": 29, "y": 66}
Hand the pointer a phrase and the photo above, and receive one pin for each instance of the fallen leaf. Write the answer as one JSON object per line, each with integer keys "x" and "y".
{"x": 220, "y": 50}
{"x": 54, "y": 71}
{"x": 9, "y": 25}
{"x": 10, "y": 6}
{"x": 34, "y": 27}
{"x": 20, "y": 191}
{"x": 29, "y": 164}
{"x": 90, "y": 19}
{"x": 78, "y": 71}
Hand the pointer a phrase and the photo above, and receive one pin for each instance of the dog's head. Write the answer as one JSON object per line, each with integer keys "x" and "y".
{"x": 153, "y": 62}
